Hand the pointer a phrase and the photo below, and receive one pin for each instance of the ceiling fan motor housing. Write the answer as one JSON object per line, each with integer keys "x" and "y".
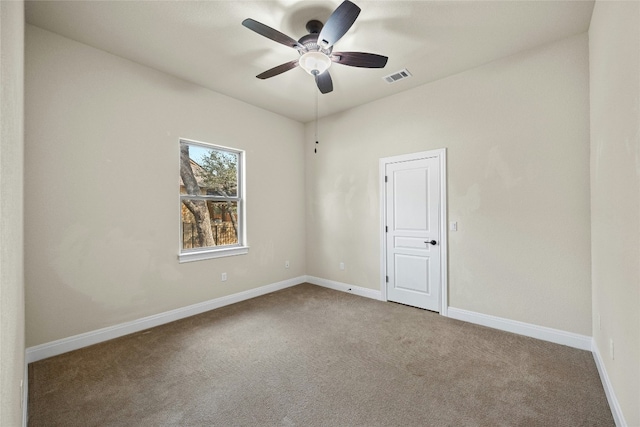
{"x": 310, "y": 42}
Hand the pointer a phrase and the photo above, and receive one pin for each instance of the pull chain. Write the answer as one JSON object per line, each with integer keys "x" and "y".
{"x": 315, "y": 150}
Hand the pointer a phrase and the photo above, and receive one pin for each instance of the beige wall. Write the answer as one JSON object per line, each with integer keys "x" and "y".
{"x": 11, "y": 212}
{"x": 101, "y": 175}
{"x": 517, "y": 138}
{"x": 614, "y": 40}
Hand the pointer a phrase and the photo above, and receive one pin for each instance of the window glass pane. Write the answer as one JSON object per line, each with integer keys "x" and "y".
{"x": 209, "y": 223}
{"x": 208, "y": 171}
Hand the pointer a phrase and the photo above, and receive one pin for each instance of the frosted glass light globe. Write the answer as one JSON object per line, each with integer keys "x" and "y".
{"x": 315, "y": 62}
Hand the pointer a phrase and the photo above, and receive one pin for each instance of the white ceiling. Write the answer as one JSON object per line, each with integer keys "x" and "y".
{"x": 205, "y": 43}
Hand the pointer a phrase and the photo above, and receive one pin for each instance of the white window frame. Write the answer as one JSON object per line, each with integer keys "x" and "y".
{"x": 241, "y": 248}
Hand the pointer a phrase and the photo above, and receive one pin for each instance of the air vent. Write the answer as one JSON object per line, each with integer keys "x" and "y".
{"x": 397, "y": 76}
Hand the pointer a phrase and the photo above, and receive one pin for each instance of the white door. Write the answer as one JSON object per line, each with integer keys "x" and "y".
{"x": 413, "y": 248}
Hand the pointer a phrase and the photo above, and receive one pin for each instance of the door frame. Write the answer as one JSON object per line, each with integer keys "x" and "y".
{"x": 441, "y": 154}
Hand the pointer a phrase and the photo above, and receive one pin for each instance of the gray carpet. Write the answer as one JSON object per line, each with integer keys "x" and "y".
{"x": 309, "y": 356}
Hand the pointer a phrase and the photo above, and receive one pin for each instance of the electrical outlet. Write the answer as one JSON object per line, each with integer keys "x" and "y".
{"x": 223, "y": 277}
{"x": 286, "y": 264}
{"x": 342, "y": 266}
{"x": 611, "y": 349}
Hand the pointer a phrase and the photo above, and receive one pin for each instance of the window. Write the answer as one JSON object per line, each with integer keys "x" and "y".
{"x": 211, "y": 201}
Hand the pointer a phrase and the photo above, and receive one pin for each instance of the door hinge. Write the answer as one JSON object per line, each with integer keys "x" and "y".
{"x": 385, "y": 178}
{"x": 387, "y": 279}
{"x": 386, "y": 228}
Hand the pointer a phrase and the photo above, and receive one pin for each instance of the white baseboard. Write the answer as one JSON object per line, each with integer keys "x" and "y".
{"x": 557, "y": 336}
{"x": 344, "y": 287}
{"x": 616, "y": 410}
{"x": 75, "y": 342}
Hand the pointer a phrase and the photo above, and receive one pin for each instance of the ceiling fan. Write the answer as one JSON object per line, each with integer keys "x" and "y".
{"x": 316, "y": 48}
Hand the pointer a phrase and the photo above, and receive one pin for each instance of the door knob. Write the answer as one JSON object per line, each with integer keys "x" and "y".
{"x": 431, "y": 242}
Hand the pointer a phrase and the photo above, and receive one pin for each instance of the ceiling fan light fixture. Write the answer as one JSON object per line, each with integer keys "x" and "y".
{"x": 316, "y": 48}
{"x": 314, "y": 62}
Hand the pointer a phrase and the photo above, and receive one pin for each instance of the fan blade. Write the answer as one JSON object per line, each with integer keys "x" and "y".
{"x": 270, "y": 33}
{"x": 324, "y": 82}
{"x": 278, "y": 70}
{"x": 338, "y": 24}
{"x": 359, "y": 59}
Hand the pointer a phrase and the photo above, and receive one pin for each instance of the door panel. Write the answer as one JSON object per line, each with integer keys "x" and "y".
{"x": 409, "y": 242}
{"x": 413, "y": 218}
{"x": 410, "y": 187}
{"x": 410, "y": 271}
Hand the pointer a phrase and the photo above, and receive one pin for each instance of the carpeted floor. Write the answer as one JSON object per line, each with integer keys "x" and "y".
{"x": 310, "y": 356}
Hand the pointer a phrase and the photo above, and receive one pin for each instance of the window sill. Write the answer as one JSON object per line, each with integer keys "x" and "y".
{"x": 214, "y": 253}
